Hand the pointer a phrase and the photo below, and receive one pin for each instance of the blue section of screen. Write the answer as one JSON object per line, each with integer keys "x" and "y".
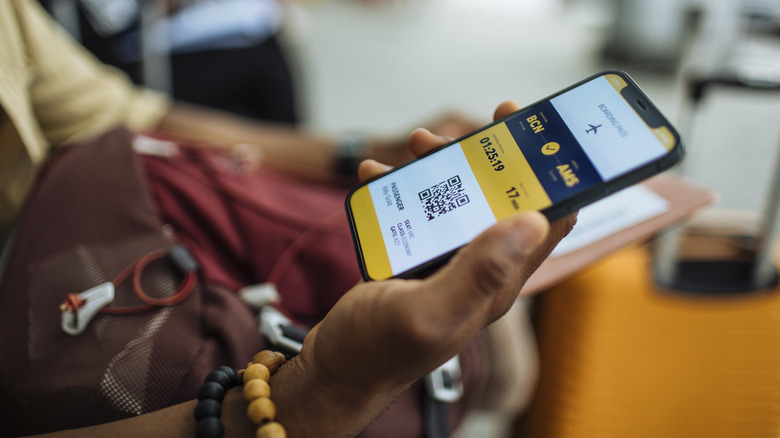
{"x": 555, "y": 169}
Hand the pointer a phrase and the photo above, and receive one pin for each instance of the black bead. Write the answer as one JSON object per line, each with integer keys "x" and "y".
{"x": 230, "y": 372}
{"x": 212, "y": 390}
{"x": 220, "y": 377}
{"x": 207, "y": 408}
{"x": 209, "y": 427}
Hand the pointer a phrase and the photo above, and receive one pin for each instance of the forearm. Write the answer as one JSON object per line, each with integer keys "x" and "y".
{"x": 174, "y": 421}
{"x": 283, "y": 147}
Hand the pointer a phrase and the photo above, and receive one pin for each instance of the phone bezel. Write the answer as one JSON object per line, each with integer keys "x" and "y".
{"x": 559, "y": 209}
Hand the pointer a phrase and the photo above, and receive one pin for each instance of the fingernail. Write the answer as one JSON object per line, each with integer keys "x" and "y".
{"x": 372, "y": 162}
{"x": 428, "y": 131}
{"x": 419, "y": 130}
{"x": 384, "y": 166}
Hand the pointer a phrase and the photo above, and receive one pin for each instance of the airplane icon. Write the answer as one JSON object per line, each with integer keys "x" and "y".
{"x": 593, "y": 128}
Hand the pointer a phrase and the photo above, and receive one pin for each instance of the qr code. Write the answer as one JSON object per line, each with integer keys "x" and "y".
{"x": 443, "y": 197}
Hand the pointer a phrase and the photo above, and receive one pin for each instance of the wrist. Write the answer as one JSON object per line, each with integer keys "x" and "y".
{"x": 312, "y": 404}
{"x": 349, "y": 151}
{"x": 234, "y": 416}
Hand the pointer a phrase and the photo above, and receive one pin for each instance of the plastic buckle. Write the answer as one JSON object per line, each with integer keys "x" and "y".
{"x": 280, "y": 331}
{"x": 75, "y": 322}
{"x": 260, "y": 295}
{"x": 445, "y": 383}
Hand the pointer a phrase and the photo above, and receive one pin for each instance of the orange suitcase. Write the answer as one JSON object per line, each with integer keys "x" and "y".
{"x": 683, "y": 345}
{"x": 622, "y": 358}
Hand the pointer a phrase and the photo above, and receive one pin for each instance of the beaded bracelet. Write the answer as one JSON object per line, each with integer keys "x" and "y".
{"x": 209, "y": 407}
{"x": 257, "y": 392}
{"x": 261, "y": 410}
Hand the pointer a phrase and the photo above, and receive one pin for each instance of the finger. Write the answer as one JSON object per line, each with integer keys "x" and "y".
{"x": 563, "y": 226}
{"x": 482, "y": 281}
{"x": 453, "y": 125}
{"x": 504, "y": 109}
{"x": 558, "y": 230}
{"x": 371, "y": 168}
{"x": 422, "y": 140}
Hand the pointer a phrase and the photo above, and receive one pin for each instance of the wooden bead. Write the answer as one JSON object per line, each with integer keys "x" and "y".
{"x": 272, "y": 360}
{"x": 256, "y": 388}
{"x": 257, "y": 371}
{"x": 261, "y": 410}
{"x": 271, "y": 430}
{"x": 264, "y": 357}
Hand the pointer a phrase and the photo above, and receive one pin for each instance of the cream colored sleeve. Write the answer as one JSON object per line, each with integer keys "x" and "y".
{"x": 74, "y": 95}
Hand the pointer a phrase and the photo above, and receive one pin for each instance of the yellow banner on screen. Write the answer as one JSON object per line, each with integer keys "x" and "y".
{"x": 503, "y": 173}
{"x": 372, "y": 244}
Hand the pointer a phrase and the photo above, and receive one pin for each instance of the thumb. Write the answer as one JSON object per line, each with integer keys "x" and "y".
{"x": 486, "y": 275}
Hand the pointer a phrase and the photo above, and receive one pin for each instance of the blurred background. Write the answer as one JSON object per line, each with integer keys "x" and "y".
{"x": 389, "y": 66}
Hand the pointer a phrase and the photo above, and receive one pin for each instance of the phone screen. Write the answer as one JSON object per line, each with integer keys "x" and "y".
{"x": 533, "y": 159}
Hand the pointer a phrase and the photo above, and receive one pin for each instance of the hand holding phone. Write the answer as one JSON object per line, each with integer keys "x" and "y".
{"x": 577, "y": 146}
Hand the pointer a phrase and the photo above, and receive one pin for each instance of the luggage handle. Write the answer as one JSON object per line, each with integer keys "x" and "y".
{"x": 763, "y": 272}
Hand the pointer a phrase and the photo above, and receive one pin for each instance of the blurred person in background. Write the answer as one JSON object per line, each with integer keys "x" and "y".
{"x": 225, "y": 54}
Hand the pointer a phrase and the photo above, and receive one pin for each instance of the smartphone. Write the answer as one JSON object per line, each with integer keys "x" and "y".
{"x": 579, "y": 145}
